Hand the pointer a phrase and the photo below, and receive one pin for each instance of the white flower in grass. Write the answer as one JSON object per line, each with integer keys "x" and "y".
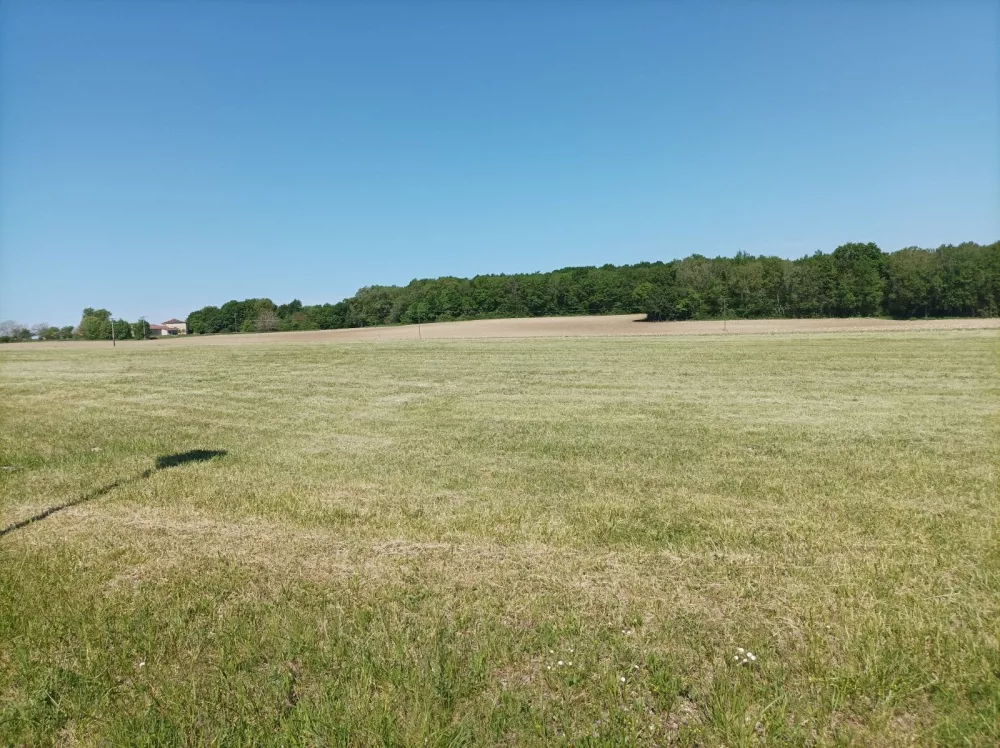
{"x": 744, "y": 656}
{"x": 560, "y": 662}
{"x": 622, "y": 679}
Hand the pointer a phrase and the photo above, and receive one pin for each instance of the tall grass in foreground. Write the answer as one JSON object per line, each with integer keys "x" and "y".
{"x": 525, "y": 542}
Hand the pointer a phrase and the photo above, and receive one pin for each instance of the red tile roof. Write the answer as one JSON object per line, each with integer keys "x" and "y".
{"x": 174, "y": 322}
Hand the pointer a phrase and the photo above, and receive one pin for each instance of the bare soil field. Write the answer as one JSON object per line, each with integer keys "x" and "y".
{"x": 622, "y": 325}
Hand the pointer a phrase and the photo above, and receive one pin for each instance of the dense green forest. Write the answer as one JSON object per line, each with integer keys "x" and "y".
{"x": 853, "y": 280}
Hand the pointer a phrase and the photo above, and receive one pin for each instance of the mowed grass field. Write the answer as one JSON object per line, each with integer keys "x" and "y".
{"x": 524, "y": 542}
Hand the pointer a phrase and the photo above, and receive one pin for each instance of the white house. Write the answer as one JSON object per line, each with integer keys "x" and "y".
{"x": 176, "y": 326}
{"x": 170, "y": 327}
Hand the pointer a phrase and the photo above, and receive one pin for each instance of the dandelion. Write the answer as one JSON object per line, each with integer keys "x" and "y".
{"x": 752, "y": 656}
{"x": 736, "y": 657}
{"x": 622, "y": 679}
{"x": 740, "y": 650}
{"x": 560, "y": 662}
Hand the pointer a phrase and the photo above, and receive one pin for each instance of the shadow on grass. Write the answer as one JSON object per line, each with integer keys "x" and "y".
{"x": 162, "y": 463}
{"x": 195, "y": 455}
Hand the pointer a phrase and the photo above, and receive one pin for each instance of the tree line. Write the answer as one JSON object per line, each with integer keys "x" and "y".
{"x": 11, "y": 331}
{"x": 95, "y": 324}
{"x": 854, "y": 280}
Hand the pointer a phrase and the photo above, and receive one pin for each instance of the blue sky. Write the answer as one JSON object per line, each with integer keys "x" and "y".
{"x": 156, "y": 157}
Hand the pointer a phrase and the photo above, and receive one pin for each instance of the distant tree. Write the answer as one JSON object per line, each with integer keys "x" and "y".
{"x": 860, "y": 286}
{"x": 286, "y": 311}
{"x": 232, "y": 316}
{"x": 267, "y": 321}
{"x": 123, "y": 330}
{"x": 989, "y": 260}
{"x": 814, "y": 286}
{"x": 9, "y": 328}
{"x": 39, "y": 328}
{"x": 49, "y": 333}
{"x": 911, "y": 282}
{"x": 140, "y": 329}
{"x": 95, "y": 324}
{"x": 327, "y": 316}
{"x": 94, "y": 327}
{"x": 417, "y": 313}
{"x": 964, "y": 280}
{"x": 66, "y": 333}
{"x": 209, "y": 320}
{"x": 658, "y": 302}
{"x": 14, "y": 331}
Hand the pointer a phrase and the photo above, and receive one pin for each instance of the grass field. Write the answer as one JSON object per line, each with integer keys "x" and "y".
{"x": 584, "y": 326}
{"x": 503, "y": 542}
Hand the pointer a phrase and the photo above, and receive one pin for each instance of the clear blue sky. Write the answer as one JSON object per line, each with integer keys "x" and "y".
{"x": 156, "y": 157}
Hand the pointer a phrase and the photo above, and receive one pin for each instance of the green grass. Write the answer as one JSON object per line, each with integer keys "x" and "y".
{"x": 403, "y": 540}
